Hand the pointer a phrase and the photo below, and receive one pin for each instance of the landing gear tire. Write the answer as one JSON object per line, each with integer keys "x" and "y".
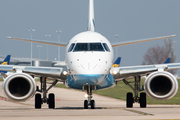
{"x": 129, "y": 100}
{"x": 38, "y": 101}
{"x": 92, "y": 104}
{"x": 142, "y": 100}
{"x": 85, "y": 104}
{"x": 51, "y": 101}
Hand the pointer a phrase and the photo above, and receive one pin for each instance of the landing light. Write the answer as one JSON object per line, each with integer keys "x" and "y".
{"x": 65, "y": 72}
{"x": 86, "y": 95}
{"x": 114, "y": 72}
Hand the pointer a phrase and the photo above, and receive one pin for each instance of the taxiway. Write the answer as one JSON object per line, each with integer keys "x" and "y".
{"x": 69, "y": 105}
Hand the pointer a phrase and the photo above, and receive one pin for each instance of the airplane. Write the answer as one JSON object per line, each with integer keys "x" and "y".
{"x": 5, "y": 62}
{"x": 89, "y": 59}
{"x": 117, "y": 62}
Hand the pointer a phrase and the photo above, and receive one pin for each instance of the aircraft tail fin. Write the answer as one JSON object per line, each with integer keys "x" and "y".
{"x": 5, "y": 62}
{"x": 91, "y": 24}
{"x": 117, "y": 62}
{"x": 167, "y": 60}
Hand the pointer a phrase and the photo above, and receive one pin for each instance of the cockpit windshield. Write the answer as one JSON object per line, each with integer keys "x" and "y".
{"x": 88, "y": 47}
{"x": 81, "y": 47}
{"x": 71, "y": 47}
{"x": 96, "y": 47}
{"x": 106, "y": 47}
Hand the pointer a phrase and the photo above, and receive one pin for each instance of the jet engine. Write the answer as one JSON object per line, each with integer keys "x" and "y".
{"x": 19, "y": 87}
{"x": 161, "y": 85}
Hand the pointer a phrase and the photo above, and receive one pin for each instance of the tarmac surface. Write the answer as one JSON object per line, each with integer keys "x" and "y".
{"x": 69, "y": 105}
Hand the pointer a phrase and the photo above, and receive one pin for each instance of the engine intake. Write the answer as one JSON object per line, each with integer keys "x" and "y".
{"x": 161, "y": 85}
{"x": 19, "y": 87}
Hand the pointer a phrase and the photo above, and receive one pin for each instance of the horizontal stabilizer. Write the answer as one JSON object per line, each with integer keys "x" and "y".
{"x": 41, "y": 41}
{"x": 139, "y": 41}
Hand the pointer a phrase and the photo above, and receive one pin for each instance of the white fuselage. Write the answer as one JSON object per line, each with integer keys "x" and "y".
{"x": 92, "y": 64}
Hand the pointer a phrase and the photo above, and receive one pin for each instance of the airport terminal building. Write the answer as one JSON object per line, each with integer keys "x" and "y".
{"x": 35, "y": 62}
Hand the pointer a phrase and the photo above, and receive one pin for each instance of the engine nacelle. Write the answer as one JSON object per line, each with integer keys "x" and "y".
{"x": 19, "y": 87}
{"x": 161, "y": 85}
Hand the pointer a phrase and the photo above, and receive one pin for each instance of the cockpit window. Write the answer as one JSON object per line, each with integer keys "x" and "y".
{"x": 71, "y": 47}
{"x": 106, "y": 47}
{"x": 96, "y": 47}
{"x": 88, "y": 47}
{"x": 81, "y": 47}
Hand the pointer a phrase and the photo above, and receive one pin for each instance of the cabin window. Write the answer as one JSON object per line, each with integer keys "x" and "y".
{"x": 106, "y": 47}
{"x": 71, "y": 47}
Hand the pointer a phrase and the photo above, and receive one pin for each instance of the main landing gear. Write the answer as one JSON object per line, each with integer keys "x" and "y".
{"x": 51, "y": 98}
{"x": 89, "y": 102}
{"x": 130, "y": 99}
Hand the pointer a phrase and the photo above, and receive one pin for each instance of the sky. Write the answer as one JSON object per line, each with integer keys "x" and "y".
{"x": 130, "y": 19}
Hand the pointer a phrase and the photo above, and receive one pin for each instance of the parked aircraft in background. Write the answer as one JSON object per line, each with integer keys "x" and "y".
{"x": 5, "y": 62}
{"x": 117, "y": 62}
{"x": 89, "y": 59}
{"x": 167, "y": 60}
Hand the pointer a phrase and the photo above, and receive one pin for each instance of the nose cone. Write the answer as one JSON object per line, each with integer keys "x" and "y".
{"x": 90, "y": 63}
{"x": 89, "y": 70}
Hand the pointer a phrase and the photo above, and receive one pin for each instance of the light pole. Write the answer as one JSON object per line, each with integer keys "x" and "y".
{"x": 39, "y": 46}
{"x": 174, "y": 42}
{"x": 31, "y": 30}
{"x": 47, "y": 45}
{"x": 116, "y": 35}
{"x": 58, "y": 31}
{"x": 173, "y": 45}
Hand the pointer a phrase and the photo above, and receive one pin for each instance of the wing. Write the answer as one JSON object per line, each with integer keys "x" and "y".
{"x": 42, "y": 42}
{"x": 139, "y": 41}
{"x": 121, "y": 73}
{"x": 48, "y": 72}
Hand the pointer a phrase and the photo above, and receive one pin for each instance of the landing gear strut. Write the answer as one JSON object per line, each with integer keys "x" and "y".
{"x": 51, "y": 98}
{"x": 89, "y": 102}
{"x": 130, "y": 99}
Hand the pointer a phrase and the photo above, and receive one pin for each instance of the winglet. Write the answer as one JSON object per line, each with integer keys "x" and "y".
{"x": 173, "y": 36}
{"x": 91, "y": 24}
{"x": 8, "y": 37}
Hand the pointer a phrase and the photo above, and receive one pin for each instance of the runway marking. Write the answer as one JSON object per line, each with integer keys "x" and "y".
{"x": 139, "y": 112}
{"x": 135, "y": 111}
{"x": 6, "y": 99}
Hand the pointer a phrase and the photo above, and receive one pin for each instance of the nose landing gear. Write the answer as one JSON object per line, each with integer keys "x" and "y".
{"x": 89, "y": 102}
